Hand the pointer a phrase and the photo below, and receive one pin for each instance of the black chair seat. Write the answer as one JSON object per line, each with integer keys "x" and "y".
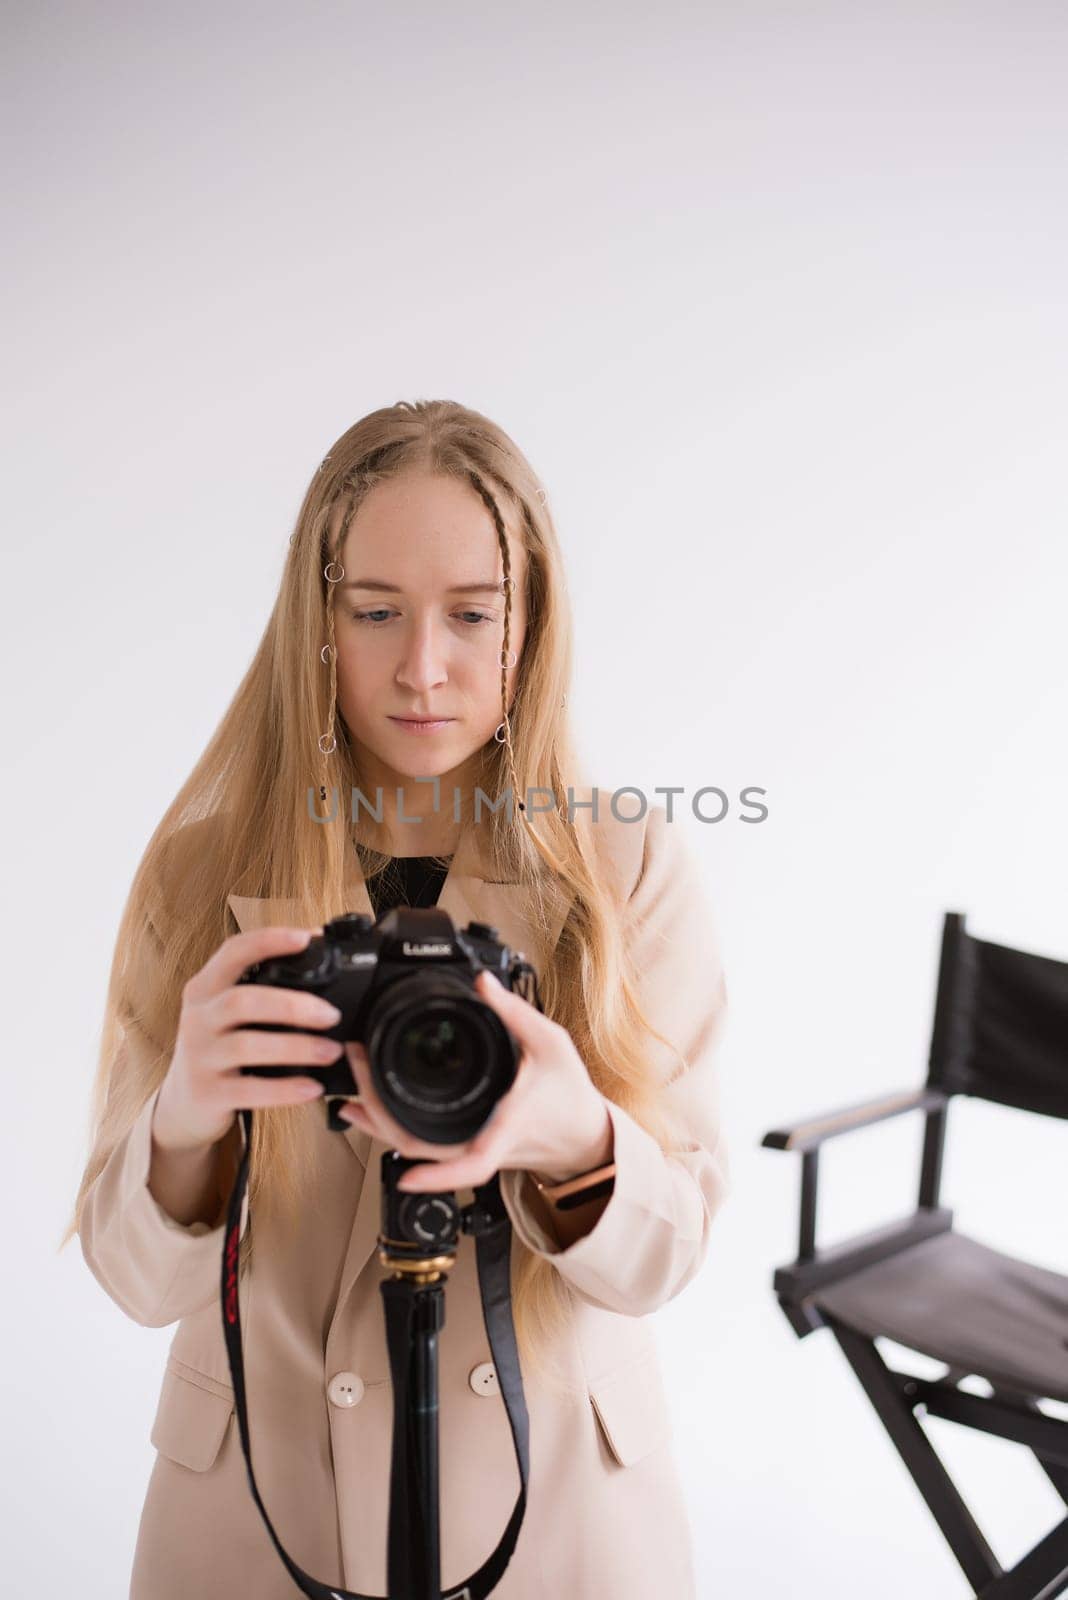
{"x": 960, "y": 1302}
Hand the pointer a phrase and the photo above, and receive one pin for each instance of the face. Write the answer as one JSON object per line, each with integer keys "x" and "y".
{"x": 418, "y": 636}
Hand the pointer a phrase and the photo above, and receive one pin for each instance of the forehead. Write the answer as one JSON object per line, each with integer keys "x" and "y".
{"x": 426, "y": 528}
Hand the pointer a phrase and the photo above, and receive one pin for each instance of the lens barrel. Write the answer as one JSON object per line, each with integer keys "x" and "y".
{"x": 440, "y": 1058}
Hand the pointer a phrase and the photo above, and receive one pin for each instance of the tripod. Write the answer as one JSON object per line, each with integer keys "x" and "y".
{"x": 414, "y": 1304}
{"x": 418, "y": 1245}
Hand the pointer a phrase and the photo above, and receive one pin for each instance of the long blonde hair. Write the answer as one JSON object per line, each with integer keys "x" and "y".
{"x": 236, "y": 824}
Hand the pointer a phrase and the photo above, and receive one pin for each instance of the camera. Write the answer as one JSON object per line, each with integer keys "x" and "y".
{"x": 440, "y": 1057}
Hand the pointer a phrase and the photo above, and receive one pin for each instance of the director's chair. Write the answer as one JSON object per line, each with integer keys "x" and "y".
{"x": 1000, "y": 1033}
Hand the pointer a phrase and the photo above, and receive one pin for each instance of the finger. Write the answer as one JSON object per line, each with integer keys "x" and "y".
{"x": 376, "y": 1118}
{"x": 240, "y": 951}
{"x": 526, "y": 1022}
{"x": 359, "y": 1117}
{"x": 386, "y": 1127}
{"x": 352, "y": 1111}
{"x": 435, "y": 1175}
{"x": 254, "y": 1002}
{"x": 475, "y": 1166}
{"x": 251, "y": 1047}
{"x": 349, "y": 1111}
{"x": 479, "y": 1159}
{"x": 258, "y": 1094}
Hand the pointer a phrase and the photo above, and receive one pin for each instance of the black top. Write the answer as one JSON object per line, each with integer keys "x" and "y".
{"x": 407, "y": 881}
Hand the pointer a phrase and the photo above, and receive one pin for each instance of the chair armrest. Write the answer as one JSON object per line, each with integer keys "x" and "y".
{"x": 811, "y": 1133}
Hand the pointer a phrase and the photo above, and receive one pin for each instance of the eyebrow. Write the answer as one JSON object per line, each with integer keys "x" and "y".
{"x": 391, "y": 588}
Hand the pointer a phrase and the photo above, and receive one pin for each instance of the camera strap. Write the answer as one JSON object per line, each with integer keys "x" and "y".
{"x": 490, "y": 1224}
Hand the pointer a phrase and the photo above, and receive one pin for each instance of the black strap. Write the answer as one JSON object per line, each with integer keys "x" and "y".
{"x": 488, "y": 1220}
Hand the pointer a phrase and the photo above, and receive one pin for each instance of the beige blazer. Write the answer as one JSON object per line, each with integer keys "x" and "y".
{"x": 605, "y": 1510}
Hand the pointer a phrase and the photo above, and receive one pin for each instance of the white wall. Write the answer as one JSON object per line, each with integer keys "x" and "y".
{"x": 773, "y": 296}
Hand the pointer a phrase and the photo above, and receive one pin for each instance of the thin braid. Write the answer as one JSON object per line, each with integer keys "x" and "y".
{"x": 333, "y": 556}
{"x": 508, "y": 585}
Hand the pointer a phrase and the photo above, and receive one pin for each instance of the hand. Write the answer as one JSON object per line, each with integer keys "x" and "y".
{"x": 204, "y": 1089}
{"x": 552, "y": 1120}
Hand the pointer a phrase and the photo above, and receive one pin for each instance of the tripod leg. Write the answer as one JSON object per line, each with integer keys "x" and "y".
{"x": 423, "y": 1413}
{"x": 414, "y": 1313}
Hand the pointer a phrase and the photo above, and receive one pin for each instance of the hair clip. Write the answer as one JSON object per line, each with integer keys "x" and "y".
{"x": 501, "y": 662}
{"x": 507, "y": 585}
{"x": 327, "y": 750}
{"x": 324, "y": 463}
{"x": 337, "y": 576}
{"x": 501, "y": 734}
{"x": 324, "y": 653}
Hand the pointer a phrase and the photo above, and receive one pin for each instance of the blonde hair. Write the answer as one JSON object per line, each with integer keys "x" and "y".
{"x": 235, "y": 825}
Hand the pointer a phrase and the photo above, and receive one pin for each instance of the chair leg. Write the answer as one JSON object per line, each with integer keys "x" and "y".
{"x": 1057, "y": 1475}
{"x": 1054, "y": 1470}
{"x": 1040, "y": 1575}
{"x": 958, "y": 1526}
{"x": 1006, "y": 1418}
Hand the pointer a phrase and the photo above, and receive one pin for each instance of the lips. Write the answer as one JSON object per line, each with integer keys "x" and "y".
{"x": 422, "y": 727}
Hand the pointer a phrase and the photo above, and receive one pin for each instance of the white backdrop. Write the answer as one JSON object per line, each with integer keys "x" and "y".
{"x": 773, "y": 297}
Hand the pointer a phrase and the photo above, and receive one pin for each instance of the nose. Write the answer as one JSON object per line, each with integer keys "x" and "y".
{"x": 422, "y": 665}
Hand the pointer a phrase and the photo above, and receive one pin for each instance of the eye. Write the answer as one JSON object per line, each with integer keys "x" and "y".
{"x": 370, "y": 616}
{"x": 380, "y": 615}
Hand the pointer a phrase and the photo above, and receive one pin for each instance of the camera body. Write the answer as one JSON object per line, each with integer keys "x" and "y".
{"x": 440, "y": 1057}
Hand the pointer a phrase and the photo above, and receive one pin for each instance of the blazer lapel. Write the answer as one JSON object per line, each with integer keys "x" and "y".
{"x": 467, "y": 896}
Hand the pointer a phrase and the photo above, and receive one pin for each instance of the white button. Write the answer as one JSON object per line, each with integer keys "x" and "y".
{"x": 345, "y": 1389}
{"x": 483, "y": 1378}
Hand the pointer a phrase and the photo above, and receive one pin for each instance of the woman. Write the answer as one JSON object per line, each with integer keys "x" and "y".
{"x": 423, "y": 580}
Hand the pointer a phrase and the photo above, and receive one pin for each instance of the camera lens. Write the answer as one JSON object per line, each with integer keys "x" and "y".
{"x": 433, "y": 1054}
{"x": 440, "y": 1057}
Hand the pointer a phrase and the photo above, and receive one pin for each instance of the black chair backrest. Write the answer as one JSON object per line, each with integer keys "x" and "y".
{"x": 1001, "y": 1023}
